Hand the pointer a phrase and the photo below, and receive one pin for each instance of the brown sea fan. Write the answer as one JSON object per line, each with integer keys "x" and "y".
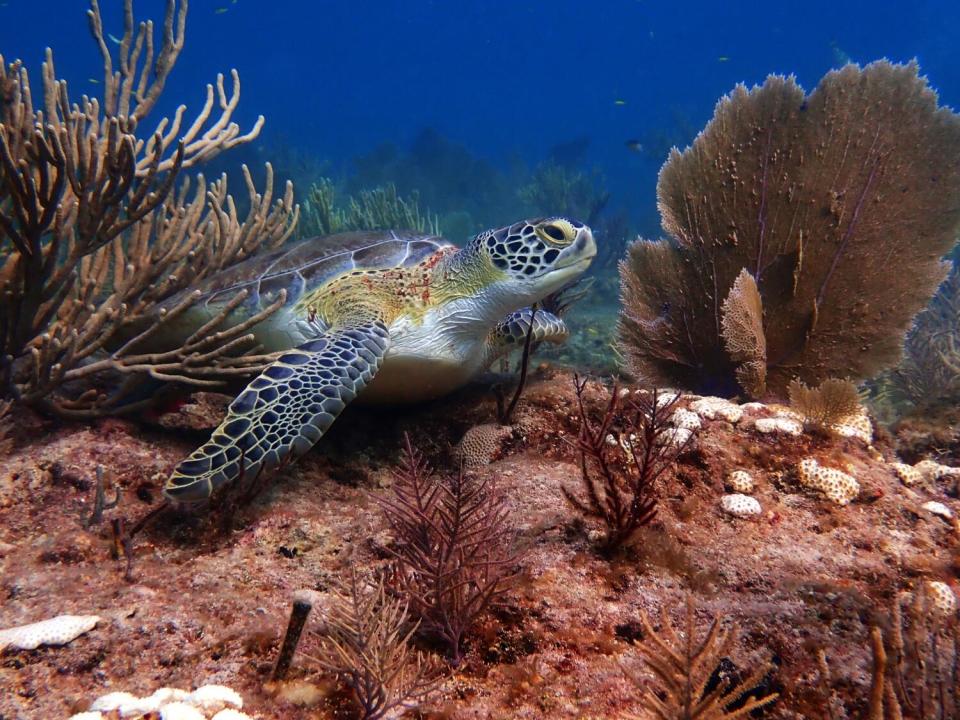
{"x": 817, "y": 197}
{"x": 743, "y": 335}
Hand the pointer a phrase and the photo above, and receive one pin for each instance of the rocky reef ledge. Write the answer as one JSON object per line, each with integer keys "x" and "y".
{"x": 804, "y": 539}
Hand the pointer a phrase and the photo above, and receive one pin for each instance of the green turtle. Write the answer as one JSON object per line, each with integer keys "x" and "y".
{"x": 387, "y": 316}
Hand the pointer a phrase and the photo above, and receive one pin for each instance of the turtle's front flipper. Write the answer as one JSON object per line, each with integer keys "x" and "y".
{"x": 284, "y": 411}
{"x": 511, "y": 332}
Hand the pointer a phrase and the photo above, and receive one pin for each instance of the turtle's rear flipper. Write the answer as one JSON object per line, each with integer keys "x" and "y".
{"x": 284, "y": 411}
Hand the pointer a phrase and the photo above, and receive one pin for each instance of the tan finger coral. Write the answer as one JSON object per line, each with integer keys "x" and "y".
{"x": 836, "y": 485}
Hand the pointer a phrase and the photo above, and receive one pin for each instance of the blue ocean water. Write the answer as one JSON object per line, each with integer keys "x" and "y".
{"x": 615, "y": 83}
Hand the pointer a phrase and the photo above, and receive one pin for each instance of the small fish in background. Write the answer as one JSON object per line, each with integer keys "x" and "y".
{"x": 619, "y": 101}
{"x": 113, "y": 38}
{"x": 220, "y": 11}
{"x": 840, "y": 57}
{"x": 93, "y": 81}
{"x": 634, "y": 146}
{"x": 723, "y": 58}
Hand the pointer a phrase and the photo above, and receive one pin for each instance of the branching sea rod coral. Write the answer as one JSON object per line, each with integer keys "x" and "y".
{"x": 815, "y": 197}
{"x": 95, "y": 233}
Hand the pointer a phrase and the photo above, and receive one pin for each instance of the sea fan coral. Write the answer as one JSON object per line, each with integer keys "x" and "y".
{"x": 95, "y": 232}
{"x": 930, "y": 371}
{"x": 815, "y": 197}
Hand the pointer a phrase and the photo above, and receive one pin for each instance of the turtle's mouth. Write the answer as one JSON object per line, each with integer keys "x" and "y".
{"x": 580, "y": 253}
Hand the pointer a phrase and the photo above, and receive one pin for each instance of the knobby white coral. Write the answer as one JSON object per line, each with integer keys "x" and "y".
{"x": 855, "y": 426}
{"x": 783, "y": 425}
{"x": 943, "y": 597}
{"x": 908, "y": 474}
{"x": 217, "y": 702}
{"x": 740, "y": 481}
{"x": 711, "y": 408}
{"x": 838, "y": 486}
{"x": 55, "y": 631}
{"x": 685, "y": 419}
{"x": 932, "y": 471}
{"x": 741, "y": 506}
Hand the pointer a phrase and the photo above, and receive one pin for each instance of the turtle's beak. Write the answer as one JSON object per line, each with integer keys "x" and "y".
{"x": 579, "y": 253}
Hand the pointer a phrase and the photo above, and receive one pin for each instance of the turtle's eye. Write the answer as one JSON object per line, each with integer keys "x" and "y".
{"x": 557, "y": 232}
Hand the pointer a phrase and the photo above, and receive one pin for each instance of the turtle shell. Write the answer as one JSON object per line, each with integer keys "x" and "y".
{"x": 302, "y": 266}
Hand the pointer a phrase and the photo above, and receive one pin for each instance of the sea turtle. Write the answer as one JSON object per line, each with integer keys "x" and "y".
{"x": 396, "y": 316}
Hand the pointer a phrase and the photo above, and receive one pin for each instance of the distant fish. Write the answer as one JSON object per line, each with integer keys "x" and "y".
{"x": 113, "y": 38}
{"x": 723, "y": 58}
{"x": 634, "y": 146}
{"x": 93, "y": 81}
{"x": 840, "y": 57}
{"x": 618, "y": 101}
{"x": 220, "y": 11}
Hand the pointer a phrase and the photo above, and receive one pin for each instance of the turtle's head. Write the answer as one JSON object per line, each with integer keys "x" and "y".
{"x": 538, "y": 257}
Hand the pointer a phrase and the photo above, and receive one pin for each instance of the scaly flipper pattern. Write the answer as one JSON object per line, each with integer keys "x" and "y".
{"x": 284, "y": 411}
{"x": 511, "y": 332}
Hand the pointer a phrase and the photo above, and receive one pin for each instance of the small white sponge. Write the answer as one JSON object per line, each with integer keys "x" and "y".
{"x": 943, "y": 597}
{"x": 782, "y": 425}
{"x": 740, "y": 481}
{"x": 171, "y": 704}
{"x": 211, "y": 698}
{"x": 55, "y": 631}
{"x": 835, "y": 484}
{"x": 741, "y": 506}
{"x": 231, "y": 714}
{"x": 180, "y": 711}
{"x": 938, "y": 508}
{"x": 711, "y": 408}
{"x": 908, "y": 474}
